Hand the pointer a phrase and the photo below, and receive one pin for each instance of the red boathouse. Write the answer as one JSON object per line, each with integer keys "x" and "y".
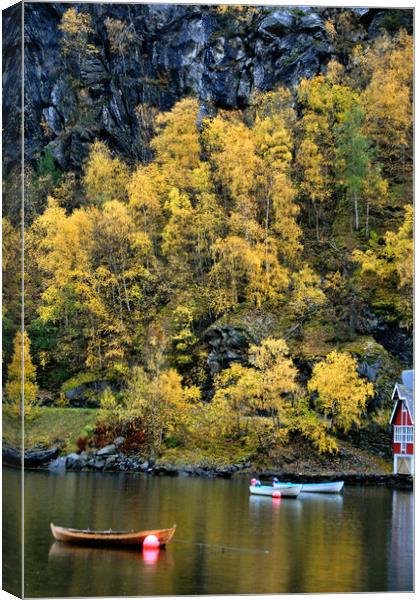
{"x": 402, "y": 420}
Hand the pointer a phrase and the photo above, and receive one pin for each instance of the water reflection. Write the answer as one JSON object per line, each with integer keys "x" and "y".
{"x": 150, "y": 556}
{"x": 226, "y": 541}
{"x": 336, "y": 499}
{"x": 261, "y": 503}
{"x": 60, "y": 551}
{"x": 12, "y": 531}
{"x": 401, "y": 539}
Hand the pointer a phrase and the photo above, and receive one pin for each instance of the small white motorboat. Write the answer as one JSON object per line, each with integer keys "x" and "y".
{"x": 326, "y": 487}
{"x": 290, "y": 490}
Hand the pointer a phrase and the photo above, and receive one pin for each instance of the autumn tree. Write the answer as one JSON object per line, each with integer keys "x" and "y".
{"x": 177, "y": 144}
{"x": 252, "y": 170}
{"x": 76, "y": 29}
{"x": 309, "y": 425}
{"x": 121, "y": 264}
{"x": 162, "y": 403}
{"x": 183, "y": 337}
{"x": 146, "y": 194}
{"x": 181, "y": 182}
{"x": 121, "y": 35}
{"x": 324, "y": 103}
{"x": 341, "y": 392}
{"x": 11, "y": 288}
{"x": 375, "y": 193}
{"x": 105, "y": 177}
{"x": 275, "y": 376}
{"x": 96, "y": 266}
{"x": 386, "y": 269}
{"x": 307, "y": 296}
{"x": 178, "y": 235}
{"x": 388, "y": 101}
{"x": 61, "y": 246}
{"x": 273, "y": 135}
{"x": 21, "y": 376}
{"x": 268, "y": 386}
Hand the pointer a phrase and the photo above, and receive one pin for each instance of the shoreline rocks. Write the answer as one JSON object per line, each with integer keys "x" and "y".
{"x": 110, "y": 460}
{"x": 33, "y": 458}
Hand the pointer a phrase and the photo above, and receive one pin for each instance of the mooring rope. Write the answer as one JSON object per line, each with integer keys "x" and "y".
{"x": 222, "y": 548}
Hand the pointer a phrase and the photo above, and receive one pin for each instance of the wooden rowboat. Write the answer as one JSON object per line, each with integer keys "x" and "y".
{"x": 290, "y": 490}
{"x": 325, "y": 487}
{"x": 87, "y": 537}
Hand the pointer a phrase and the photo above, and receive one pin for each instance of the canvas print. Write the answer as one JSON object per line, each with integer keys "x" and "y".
{"x": 208, "y": 381}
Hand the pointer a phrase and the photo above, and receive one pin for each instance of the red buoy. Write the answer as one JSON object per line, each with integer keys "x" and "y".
{"x": 276, "y": 494}
{"x": 150, "y": 542}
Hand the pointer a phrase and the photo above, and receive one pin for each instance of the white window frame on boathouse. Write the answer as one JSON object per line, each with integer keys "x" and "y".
{"x": 403, "y": 434}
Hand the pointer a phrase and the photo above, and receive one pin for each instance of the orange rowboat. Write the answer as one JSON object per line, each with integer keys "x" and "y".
{"x": 87, "y": 537}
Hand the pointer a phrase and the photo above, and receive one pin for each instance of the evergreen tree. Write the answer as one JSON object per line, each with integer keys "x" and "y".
{"x": 353, "y": 154}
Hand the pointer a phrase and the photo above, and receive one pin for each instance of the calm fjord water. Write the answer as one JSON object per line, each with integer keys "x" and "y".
{"x": 359, "y": 541}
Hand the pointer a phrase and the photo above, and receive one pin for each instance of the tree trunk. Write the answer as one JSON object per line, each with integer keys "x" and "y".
{"x": 316, "y": 210}
{"x": 352, "y": 317}
{"x": 267, "y": 214}
{"x": 367, "y": 220}
{"x": 127, "y": 301}
{"x": 356, "y": 214}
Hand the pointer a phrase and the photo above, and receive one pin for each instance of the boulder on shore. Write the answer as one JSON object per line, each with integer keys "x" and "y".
{"x": 107, "y": 450}
{"x": 32, "y": 458}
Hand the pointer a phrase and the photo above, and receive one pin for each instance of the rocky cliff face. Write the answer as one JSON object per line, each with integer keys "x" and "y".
{"x": 172, "y": 51}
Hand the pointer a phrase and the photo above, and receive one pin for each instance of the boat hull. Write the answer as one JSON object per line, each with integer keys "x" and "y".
{"x": 333, "y": 487}
{"x": 327, "y": 487}
{"x": 85, "y": 537}
{"x": 288, "y": 490}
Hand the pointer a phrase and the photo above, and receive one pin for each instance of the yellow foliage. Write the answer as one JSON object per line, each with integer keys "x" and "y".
{"x": 11, "y": 259}
{"x": 274, "y": 374}
{"x": 267, "y": 386}
{"x": 177, "y": 143}
{"x": 120, "y": 35}
{"x": 161, "y": 402}
{"x": 307, "y": 295}
{"x": 391, "y": 264}
{"x": 388, "y": 98}
{"x": 330, "y": 28}
{"x": 325, "y": 103}
{"x": 401, "y": 244}
{"x": 106, "y": 178}
{"x": 21, "y": 376}
{"x": 395, "y": 257}
{"x": 144, "y": 194}
{"x": 237, "y": 164}
{"x": 76, "y": 27}
{"x": 94, "y": 263}
{"x": 342, "y": 394}
{"x": 312, "y": 427}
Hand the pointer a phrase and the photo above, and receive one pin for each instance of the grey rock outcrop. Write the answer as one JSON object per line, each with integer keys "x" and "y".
{"x": 107, "y": 450}
{"x": 228, "y": 345}
{"x": 377, "y": 365}
{"x": 174, "y": 50}
{"x": 33, "y": 458}
{"x": 86, "y": 394}
{"x": 75, "y": 462}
